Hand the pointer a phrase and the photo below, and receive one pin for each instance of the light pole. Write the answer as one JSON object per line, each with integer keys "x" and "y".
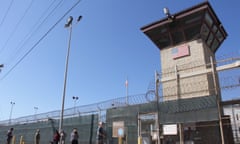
{"x": 67, "y": 25}
{"x": 75, "y": 98}
{"x": 1, "y": 66}
{"x": 10, "y": 116}
{"x": 35, "y": 112}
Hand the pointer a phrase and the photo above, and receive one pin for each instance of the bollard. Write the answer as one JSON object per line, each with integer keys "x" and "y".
{"x": 139, "y": 140}
{"x": 13, "y": 139}
{"x": 21, "y": 140}
{"x": 119, "y": 140}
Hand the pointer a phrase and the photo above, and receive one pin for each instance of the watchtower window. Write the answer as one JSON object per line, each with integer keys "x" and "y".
{"x": 163, "y": 40}
{"x": 204, "y": 32}
{"x": 177, "y": 37}
{"x": 214, "y": 29}
{"x": 219, "y": 36}
{"x": 208, "y": 19}
{"x": 192, "y": 32}
{"x": 210, "y": 39}
{"x": 215, "y": 45}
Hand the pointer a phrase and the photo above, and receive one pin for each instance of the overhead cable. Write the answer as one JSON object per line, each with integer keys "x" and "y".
{"x": 17, "y": 25}
{"x": 34, "y": 31}
{"x": 36, "y": 44}
{"x": 5, "y": 15}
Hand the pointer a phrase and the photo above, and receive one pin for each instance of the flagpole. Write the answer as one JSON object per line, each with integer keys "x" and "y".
{"x": 126, "y": 85}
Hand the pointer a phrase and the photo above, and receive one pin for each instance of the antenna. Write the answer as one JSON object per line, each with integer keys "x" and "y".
{"x": 167, "y": 13}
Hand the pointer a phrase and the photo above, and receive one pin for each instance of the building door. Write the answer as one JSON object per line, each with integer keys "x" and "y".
{"x": 148, "y": 128}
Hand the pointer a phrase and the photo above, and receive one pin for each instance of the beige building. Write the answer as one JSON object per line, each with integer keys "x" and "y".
{"x": 188, "y": 41}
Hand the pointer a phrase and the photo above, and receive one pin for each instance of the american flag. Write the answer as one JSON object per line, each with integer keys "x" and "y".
{"x": 180, "y": 51}
{"x": 126, "y": 83}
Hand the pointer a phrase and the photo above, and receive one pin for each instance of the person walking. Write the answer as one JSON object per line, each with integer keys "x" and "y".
{"x": 62, "y": 137}
{"x": 9, "y": 135}
{"x": 56, "y": 137}
{"x": 100, "y": 134}
{"x": 37, "y": 137}
{"x": 74, "y": 136}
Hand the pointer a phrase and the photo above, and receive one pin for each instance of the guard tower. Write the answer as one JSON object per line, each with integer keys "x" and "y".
{"x": 187, "y": 41}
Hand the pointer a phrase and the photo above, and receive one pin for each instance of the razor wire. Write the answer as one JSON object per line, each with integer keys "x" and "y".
{"x": 227, "y": 82}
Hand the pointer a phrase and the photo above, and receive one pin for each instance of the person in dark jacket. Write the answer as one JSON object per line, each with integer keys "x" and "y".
{"x": 37, "y": 137}
{"x": 74, "y": 136}
{"x": 9, "y": 135}
{"x": 100, "y": 134}
{"x": 56, "y": 137}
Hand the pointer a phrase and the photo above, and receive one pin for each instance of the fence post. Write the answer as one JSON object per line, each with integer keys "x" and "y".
{"x": 139, "y": 140}
{"x": 119, "y": 140}
{"x": 13, "y": 139}
{"x": 21, "y": 140}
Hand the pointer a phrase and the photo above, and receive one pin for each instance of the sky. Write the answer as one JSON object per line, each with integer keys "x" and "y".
{"x": 107, "y": 47}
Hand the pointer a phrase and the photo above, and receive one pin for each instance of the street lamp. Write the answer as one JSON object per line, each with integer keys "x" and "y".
{"x": 75, "y": 98}
{"x": 35, "y": 112}
{"x": 67, "y": 25}
{"x": 10, "y": 116}
{"x": 1, "y": 66}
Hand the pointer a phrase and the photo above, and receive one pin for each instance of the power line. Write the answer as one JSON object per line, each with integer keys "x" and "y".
{"x": 34, "y": 31}
{"x": 5, "y": 15}
{"x": 36, "y": 44}
{"x": 15, "y": 28}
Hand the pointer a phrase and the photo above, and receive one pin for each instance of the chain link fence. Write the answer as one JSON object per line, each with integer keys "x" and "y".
{"x": 196, "y": 113}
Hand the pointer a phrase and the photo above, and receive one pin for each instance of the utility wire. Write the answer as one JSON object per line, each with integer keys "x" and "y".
{"x": 31, "y": 33}
{"x": 36, "y": 44}
{"x": 17, "y": 25}
{"x": 5, "y": 15}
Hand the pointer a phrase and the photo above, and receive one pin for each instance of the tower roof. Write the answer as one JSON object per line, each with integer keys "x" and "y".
{"x": 199, "y": 21}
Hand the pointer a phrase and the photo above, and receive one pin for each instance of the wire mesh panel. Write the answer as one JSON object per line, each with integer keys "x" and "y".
{"x": 86, "y": 126}
{"x": 189, "y": 110}
{"x": 198, "y": 113}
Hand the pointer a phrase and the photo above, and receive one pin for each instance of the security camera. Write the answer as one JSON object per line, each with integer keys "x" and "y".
{"x": 166, "y": 12}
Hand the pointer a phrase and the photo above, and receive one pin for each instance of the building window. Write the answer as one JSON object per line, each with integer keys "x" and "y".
{"x": 219, "y": 36}
{"x": 214, "y": 29}
{"x": 192, "y": 32}
{"x": 215, "y": 44}
{"x": 204, "y": 32}
{"x": 177, "y": 37}
{"x": 210, "y": 39}
{"x": 163, "y": 40}
{"x": 208, "y": 19}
